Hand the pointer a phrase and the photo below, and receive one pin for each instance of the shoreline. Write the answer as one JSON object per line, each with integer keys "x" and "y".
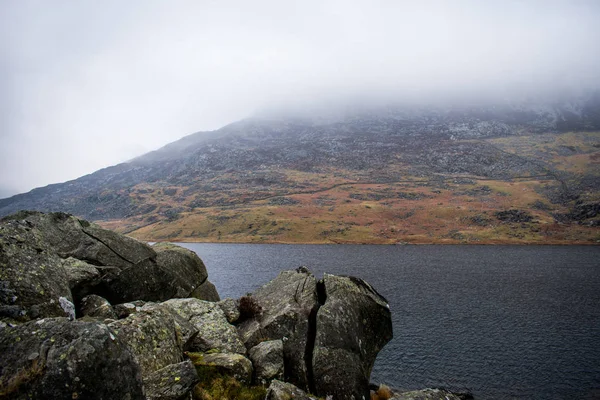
{"x": 416, "y": 243}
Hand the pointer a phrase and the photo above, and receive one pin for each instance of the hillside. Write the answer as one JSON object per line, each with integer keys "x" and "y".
{"x": 526, "y": 173}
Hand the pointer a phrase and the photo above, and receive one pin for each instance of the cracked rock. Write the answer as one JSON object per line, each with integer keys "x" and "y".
{"x": 353, "y": 325}
{"x": 286, "y": 303}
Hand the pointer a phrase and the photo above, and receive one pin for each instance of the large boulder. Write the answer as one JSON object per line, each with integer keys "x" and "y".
{"x": 156, "y": 336}
{"x": 206, "y": 291}
{"x": 186, "y": 272}
{"x": 60, "y": 359}
{"x": 44, "y": 257}
{"x": 352, "y": 325}
{"x": 282, "y": 312}
{"x": 173, "y": 382}
{"x": 208, "y": 319}
{"x": 267, "y": 358}
{"x": 32, "y": 277}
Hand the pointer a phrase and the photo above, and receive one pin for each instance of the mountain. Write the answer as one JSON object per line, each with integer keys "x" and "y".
{"x": 501, "y": 172}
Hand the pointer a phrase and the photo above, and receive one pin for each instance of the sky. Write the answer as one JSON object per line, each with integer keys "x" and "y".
{"x": 85, "y": 84}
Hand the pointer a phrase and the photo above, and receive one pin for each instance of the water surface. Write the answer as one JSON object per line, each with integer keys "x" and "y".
{"x": 505, "y": 322}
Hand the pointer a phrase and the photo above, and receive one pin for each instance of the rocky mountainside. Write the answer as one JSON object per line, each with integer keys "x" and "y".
{"x": 278, "y": 169}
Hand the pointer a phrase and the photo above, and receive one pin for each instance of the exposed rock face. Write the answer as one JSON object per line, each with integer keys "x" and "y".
{"x": 279, "y": 390}
{"x": 353, "y": 324}
{"x": 32, "y": 277}
{"x": 331, "y": 331}
{"x": 61, "y": 359}
{"x": 267, "y": 358}
{"x": 209, "y": 320}
{"x": 230, "y": 309}
{"x": 44, "y": 257}
{"x": 157, "y": 338}
{"x": 206, "y": 291}
{"x": 173, "y": 382}
{"x": 287, "y": 302}
{"x": 183, "y": 268}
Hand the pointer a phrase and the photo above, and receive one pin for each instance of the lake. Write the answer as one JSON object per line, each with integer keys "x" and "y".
{"x": 504, "y": 322}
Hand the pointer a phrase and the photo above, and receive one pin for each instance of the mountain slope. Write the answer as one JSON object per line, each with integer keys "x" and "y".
{"x": 382, "y": 175}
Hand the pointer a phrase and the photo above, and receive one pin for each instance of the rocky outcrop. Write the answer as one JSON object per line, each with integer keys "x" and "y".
{"x": 286, "y": 302}
{"x": 60, "y": 359}
{"x": 208, "y": 319}
{"x": 88, "y": 313}
{"x": 267, "y": 358}
{"x": 173, "y": 382}
{"x": 44, "y": 257}
{"x": 331, "y": 331}
{"x": 352, "y": 326}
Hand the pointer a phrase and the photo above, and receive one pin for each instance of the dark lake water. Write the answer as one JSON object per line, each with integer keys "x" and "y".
{"x": 505, "y": 322}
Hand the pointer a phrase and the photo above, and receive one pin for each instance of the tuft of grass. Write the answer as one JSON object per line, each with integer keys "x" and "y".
{"x": 249, "y": 308}
{"x": 382, "y": 393}
{"x": 215, "y": 385}
{"x": 10, "y": 387}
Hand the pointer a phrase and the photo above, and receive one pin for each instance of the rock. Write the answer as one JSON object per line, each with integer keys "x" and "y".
{"x": 267, "y": 358}
{"x": 32, "y": 278}
{"x": 126, "y": 309}
{"x": 173, "y": 382}
{"x": 514, "y": 216}
{"x": 432, "y": 394}
{"x": 279, "y": 390}
{"x": 80, "y": 275}
{"x": 214, "y": 332}
{"x": 352, "y": 325}
{"x": 232, "y": 364}
{"x": 69, "y": 236}
{"x": 286, "y": 303}
{"x": 183, "y": 268}
{"x": 68, "y": 307}
{"x": 230, "y": 308}
{"x": 157, "y": 337}
{"x": 33, "y": 274}
{"x": 206, "y": 291}
{"x": 97, "y": 307}
{"x": 58, "y": 359}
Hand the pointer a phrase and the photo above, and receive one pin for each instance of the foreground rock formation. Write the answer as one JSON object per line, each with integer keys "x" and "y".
{"x": 86, "y": 313}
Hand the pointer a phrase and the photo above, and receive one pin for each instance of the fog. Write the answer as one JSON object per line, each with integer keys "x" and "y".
{"x": 87, "y": 84}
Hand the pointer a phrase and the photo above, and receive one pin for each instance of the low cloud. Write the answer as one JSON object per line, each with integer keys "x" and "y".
{"x": 89, "y": 84}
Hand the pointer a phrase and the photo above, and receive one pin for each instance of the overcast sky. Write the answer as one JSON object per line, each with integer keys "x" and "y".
{"x": 88, "y": 84}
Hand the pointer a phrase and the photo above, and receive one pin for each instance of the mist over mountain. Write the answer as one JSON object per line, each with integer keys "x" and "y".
{"x": 282, "y": 153}
{"x": 130, "y": 77}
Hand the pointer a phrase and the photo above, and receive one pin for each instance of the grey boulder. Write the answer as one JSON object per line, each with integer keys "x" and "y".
{"x": 267, "y": 358}
{"x": 173, "y": 382}
{"x": 286, "y": 303}
{"x": 156, "y": 337}
{"x": 209, "y": 320}
{"x": 352, "y": 325}
{"x": 55, "y": 358}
